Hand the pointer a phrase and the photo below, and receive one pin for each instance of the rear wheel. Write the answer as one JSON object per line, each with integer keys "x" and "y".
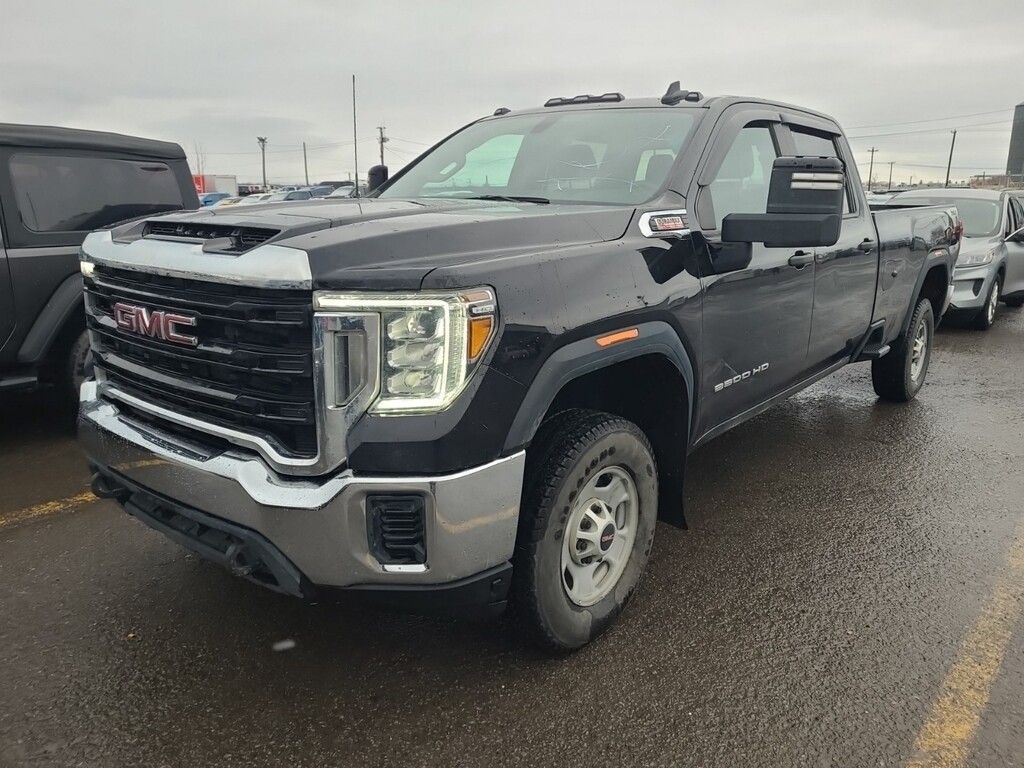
{"x": 899, "y": 376}
{"x": 586, "y": 527}
{"x": 987, "y": 316}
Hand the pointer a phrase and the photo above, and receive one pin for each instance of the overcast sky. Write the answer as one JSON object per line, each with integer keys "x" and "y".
{"x": 217, "y": 73}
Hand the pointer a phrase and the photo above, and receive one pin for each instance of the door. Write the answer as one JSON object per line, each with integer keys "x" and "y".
{"x": 845, "y": 274}
{"x": 1015, "y": 248}
{"x": 7, "y": 313}
{"x": 756, "y": 320}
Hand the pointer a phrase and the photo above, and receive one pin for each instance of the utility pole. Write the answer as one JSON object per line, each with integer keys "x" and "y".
{"x": 911, "y": 182}
{"x": 355, "y": 139}
{"x": 382, "y": 139}
{"x": 871, "y": 167}
{"x": 949, "y": 167}
{"x": 262, "y": 141}
{"x": 200, "y": 160}
{"x": 305, "y": 163}
{"x": 890, "y": 174}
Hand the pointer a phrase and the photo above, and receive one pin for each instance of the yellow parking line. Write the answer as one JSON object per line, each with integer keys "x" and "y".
{"x": 62, "y": 505}
{"x": 945, "y": 740}
{"x": 48, "y": 508}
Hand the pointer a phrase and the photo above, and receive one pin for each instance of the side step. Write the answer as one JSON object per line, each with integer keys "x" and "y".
{"x": 16, "y": 382}
{"x": 873, "y": 352}
{"x": 871, "y": 346}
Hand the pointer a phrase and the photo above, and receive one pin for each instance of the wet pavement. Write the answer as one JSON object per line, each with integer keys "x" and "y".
{"x": 841, "y": 561}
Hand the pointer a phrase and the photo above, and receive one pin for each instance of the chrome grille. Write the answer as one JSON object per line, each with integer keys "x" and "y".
{"x": 252, "y": 369}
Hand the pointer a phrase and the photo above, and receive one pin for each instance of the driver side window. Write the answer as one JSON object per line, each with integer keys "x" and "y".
{"x": 741, "y": 184}
{"x": 1013, "y": 220}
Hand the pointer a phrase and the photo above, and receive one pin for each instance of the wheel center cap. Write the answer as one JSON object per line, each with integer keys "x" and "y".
{"x": 607, "y": 537}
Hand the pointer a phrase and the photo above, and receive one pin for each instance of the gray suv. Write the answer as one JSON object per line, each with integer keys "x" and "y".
{"x": 990, "y": 268}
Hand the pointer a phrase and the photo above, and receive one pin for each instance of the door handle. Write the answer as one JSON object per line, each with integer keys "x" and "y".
{"x": 867, "y": 245}
{"x": 801, "y": 259}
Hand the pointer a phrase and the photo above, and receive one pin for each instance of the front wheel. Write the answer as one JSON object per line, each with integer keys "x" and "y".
{"x": 586, "y": 527}
{"x": 77, "y": 368}
{"x": 987, "y": 316}
{"x": 899, "y": 376}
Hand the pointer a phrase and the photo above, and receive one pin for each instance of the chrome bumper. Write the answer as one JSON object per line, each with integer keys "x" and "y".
{"x": 318, "y": 524}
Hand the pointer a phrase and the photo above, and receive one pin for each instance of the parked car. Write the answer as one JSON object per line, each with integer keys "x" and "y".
{"x": 208, "y": 199}
{"x": 482, "y": 383}
{"x": 348, "y": 192}
{"x": 56, "y": 185}
{"x": 288, "y": 197}
{"x": 226, "y": 201}
{"x": 321, "y": 191}
{"x": 990, "y": 267}
{"x": 253, "y": 199}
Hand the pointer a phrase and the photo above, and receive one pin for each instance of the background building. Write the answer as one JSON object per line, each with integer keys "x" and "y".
{"x": 1015, "y": 160}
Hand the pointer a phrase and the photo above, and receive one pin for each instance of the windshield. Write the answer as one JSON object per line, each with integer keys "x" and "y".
{"x": 584, "y": 156}
{"x": 981, "y": 218}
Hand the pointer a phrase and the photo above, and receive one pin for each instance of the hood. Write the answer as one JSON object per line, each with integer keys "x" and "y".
{"x": 395, "y": 243}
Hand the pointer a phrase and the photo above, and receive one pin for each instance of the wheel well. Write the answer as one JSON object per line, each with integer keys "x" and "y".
{"x": 60, "y": 347}
{"x": 934, "y": 287}
{"x": 649, "y": 391}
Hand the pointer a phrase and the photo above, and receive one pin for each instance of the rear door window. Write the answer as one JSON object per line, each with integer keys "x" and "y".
{"x": 813, "y": 144}
{"x": 66, "y": 193}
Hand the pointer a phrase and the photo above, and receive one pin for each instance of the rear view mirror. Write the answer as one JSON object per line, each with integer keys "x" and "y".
{"x": 376, "y": 176}
{"x": 805, "y": 206}
{"x": 782, "y": 230}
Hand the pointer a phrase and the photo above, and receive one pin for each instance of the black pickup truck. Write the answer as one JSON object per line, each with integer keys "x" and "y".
{"x": 480, "y": 384}
{"x": 56, "y": 186}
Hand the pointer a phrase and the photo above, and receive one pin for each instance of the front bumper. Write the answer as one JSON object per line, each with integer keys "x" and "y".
{"x": 971, "y": 286}
{"x": 318, "y": 526}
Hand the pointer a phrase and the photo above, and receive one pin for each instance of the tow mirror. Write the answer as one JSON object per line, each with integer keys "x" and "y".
{"x": 376, "y": 176}
{"x": 805, "y": 206}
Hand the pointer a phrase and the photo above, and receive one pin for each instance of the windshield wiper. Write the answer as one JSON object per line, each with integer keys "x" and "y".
{"x": 511, "y": 199}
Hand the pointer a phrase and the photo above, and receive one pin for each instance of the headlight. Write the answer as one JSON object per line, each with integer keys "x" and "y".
{"x": 430, "y": 343}
{"x": 87, "y": 268}
{"x": 975, "y": 259}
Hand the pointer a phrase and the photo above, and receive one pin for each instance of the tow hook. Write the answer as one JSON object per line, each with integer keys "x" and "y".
{"x": 103, "y": 487}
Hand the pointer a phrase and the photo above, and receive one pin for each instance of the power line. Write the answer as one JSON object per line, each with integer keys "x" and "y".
{"x": 410, "y": 141}
{"x": 923, "y": 130}
{"x": 931, "y": 119}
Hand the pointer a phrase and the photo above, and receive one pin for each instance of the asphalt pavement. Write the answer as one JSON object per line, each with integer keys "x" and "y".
{"x": 848, "y": 594}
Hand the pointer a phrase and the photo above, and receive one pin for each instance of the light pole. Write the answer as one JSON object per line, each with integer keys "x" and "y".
{"x": 262, "y": 141}
{"x": 890, "y": 174}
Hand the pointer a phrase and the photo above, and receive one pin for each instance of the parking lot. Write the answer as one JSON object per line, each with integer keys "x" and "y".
{"x": 848, "y": 593}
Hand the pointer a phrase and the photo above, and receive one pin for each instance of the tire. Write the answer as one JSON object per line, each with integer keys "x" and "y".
{"x": 899, "y": 376}
{"x": 563, "y": 601}
{"x": 987, "y": 316}
{"x": 77, "y": 368}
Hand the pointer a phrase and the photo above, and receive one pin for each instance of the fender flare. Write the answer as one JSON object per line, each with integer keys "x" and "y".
{"x": 936, "y": 257}
{"x": 584, "y": 356}
{"x": 52, "y": 319}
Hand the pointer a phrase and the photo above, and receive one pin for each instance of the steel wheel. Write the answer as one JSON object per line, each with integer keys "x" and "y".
{"x": 919, "y": 351}
{"x": 599, "y": 536}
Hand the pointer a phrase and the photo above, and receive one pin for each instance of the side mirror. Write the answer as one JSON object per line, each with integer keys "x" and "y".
{"x": 376, "y": 176}
{"x": 805, "y": 206}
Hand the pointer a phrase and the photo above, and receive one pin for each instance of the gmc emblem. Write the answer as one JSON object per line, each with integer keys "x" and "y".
{"x": 156, "y": 323}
